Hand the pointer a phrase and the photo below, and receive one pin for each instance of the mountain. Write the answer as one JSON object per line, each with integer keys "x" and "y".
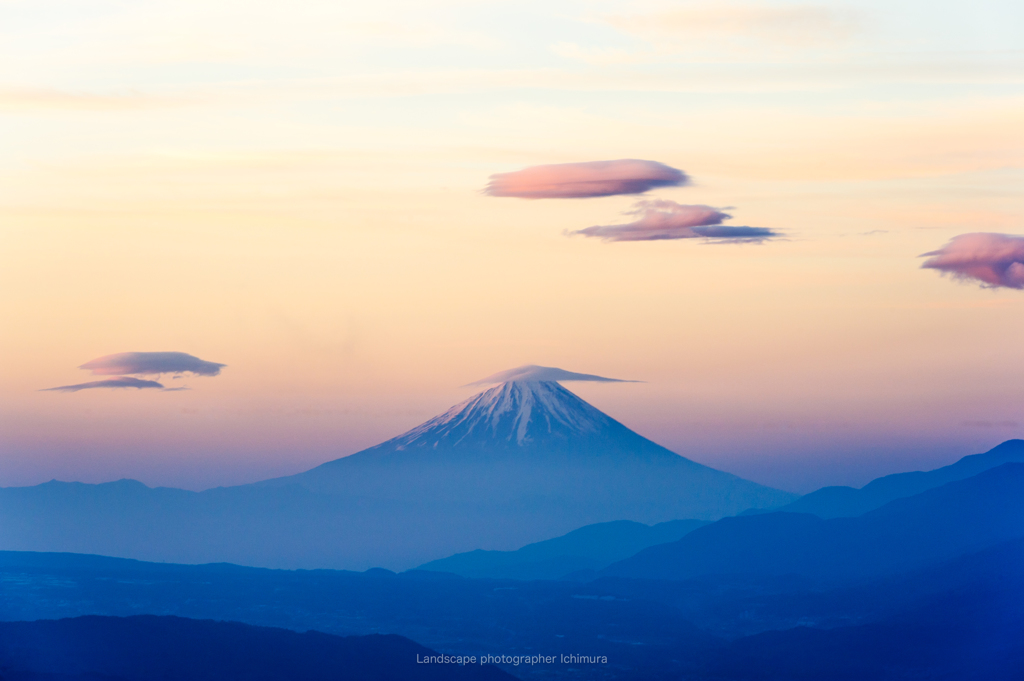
{"x": 737, "y": 605}
{"x": 935, "y": 525}
{"x": 589, "y": 548}
{"x": 518, "y": 463}
{"x": 839, "y": 502}
{"x": 643, "y": 626}
{"x": 968, "y": 635}
{"x": 444, "y": 612}
{"x": 536, "y": 449}
{"x": 146, "y": 647}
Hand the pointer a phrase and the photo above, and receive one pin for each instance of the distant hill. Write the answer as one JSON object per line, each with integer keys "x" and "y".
{"x": 938, "y": 524}
{"x": 643, "y": 626}
{"x": 444, "y": 612}
{"x": 974, "y": 634}
{"x": 956, "y": 620}
{"x": 145, "y": 647}
{"x": 515, "y": 464}
{"x": 734, "y": 606}
{"x": 841, "y": 502}
{"x": 589, "y": 548}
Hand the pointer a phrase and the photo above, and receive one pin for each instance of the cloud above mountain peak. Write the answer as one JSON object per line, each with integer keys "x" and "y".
{"x": 586, "y": 180}
{"x": 531, "y": 373}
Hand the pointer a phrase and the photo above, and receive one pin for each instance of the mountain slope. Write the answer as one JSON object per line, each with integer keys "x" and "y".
{"x": 517, "y": 413}
{"x": 444, "y": 612}
{"x": 145, "y": 647}
{"x": 643, "y": 626}
{"x": 539, "y": 443}
{"x": 941, "y": 523}
{"x": 588, "y": 548}
{"x": 838, "y": 502}
{"x": 537, "y": 421}
{"x": 973, "y": 635}
{"x": 516, "y": 464}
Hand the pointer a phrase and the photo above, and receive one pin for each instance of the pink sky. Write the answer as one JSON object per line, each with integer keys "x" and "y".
{"x": 334, "y": 204}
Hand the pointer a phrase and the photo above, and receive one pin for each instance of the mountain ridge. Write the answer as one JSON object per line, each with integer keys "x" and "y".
{"x": 516, "y": 464}
{"x": 171, "y": 648}
{"x": 938, "y": 524}
{"x": 591, "y": 547}
{"x": 844, "y": 502}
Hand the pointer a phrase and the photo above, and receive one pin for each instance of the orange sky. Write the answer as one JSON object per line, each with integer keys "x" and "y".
{"x": 299, "y": 195}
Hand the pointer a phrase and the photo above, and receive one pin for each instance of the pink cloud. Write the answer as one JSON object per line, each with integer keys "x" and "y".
{"x": 994, "y": 260}
{"x": 583, "y": 180}
{"x": 532, "y": 373}
{"x": 119, "y": 382}
{"x": 660, "y": 220}
{"x": 151, "y": 364}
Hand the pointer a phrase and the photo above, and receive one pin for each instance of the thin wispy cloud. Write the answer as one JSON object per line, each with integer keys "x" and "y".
{"x": 600, "y": 56}
{"x": 533, "y": 373}
{"x": 991, "y": 424}
{"x": 119, "y": 382}
{"x": 990, "y": 259}
{"x": 796, "y": 24}
{"x": 33, "y": 99}
{"x": 151, "y": 364}
{"x": 661, "y": 220}
{"x": 586, "y": 180}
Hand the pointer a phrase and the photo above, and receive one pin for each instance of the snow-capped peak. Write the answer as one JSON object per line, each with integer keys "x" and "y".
{"x": 520, "y": 413}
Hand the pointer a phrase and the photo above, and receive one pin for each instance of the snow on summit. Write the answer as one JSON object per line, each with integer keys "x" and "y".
{"x": 527, "y": 407}
{"x": 515, "y": 412}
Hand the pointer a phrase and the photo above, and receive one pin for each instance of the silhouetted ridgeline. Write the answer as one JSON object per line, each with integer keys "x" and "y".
{"x": 905, "y": 534}
{"x": 957, "y": 620}
{"x": 589, "y": 548}
{"x": 835, "y": 502}
{"x": 926, "y": 587}
{"x": 144, "y": 648}
{"x": 968, "y": 635}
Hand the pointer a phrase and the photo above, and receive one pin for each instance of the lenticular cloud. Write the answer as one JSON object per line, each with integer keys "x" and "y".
{"x": 151, "y": 364}
{"x": 532, "y": 373}
{"x": 993, "y": 260}
{"x": 119, "y": 382}
{"x": 585, "y": 180}
{"x": 124, "y": 364}
{"x": 661, "y": 220}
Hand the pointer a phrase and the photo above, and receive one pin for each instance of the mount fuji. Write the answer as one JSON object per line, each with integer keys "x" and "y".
{"x": 520, "y": 462}
{"x": 535, "y": 447}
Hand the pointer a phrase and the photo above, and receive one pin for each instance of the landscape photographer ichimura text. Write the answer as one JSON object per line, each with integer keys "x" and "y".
{"x": 514, "y": 660}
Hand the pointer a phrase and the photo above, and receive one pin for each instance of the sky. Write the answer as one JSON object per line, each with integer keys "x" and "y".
{"x": 323, "y": 198}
